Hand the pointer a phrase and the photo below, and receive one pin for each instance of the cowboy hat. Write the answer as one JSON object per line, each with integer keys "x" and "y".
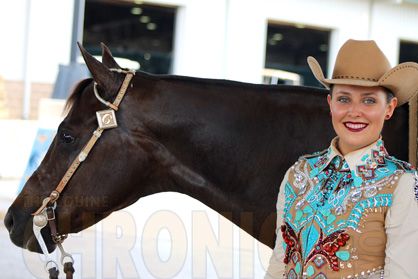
{"x": 363, "y": 63}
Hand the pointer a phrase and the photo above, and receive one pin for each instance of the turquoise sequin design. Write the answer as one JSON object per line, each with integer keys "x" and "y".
{"x": 323, "y": 213}
{"x": 323, "y": 190}
{"x": 310, "y": 238}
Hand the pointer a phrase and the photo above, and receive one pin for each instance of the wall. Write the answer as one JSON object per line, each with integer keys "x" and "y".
{"x": 14, "y": 94}
{"x": 35, "y": 40}
{"x": 233, "y": 45}
{"x": 47, "y": 24}
{"x": 214, "y": 39}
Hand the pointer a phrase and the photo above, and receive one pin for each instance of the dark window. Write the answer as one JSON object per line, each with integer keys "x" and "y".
{"x": 408, "y": 52}
{"x": 139, "y": 32}
{"x": 288, "y": 47}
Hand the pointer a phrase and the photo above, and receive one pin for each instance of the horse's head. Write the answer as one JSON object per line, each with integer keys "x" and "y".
{"x": 103, "y": 182}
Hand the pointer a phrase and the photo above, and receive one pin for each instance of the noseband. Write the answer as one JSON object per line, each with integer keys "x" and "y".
{"x": 46, "y": 213}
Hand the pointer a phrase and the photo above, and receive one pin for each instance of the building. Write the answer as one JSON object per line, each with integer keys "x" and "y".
{"x": 226, "y": 39}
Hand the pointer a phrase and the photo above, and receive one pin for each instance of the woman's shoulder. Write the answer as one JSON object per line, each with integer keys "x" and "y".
{"x": 314, "y": 155}
{"x": 314, "y": 158}
{"x": 408, "y": 181}
{"x": 405, "y": 166}
{"x": 306, "y": 162}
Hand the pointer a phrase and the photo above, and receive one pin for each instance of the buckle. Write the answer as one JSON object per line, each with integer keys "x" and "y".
{"x": 106, "y": 119}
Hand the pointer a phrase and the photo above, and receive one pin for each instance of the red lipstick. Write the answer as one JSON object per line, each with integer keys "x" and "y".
{"x": 355, "y": 126}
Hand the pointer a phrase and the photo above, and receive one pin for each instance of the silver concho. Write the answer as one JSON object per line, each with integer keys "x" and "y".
{"x": 82, "y": 156}
{"x": 106, "y": 119}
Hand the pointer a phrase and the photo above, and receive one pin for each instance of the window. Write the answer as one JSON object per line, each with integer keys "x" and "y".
{"x": 408, "y": 52}
{"x": 287, "y": 49}
{"x": 138, "y": 32}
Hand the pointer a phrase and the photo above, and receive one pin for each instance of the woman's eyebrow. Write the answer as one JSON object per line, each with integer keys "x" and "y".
{"x": 362, "y": 94}
{"x": 343, "y": 92}
{"x": 368, "y": 93}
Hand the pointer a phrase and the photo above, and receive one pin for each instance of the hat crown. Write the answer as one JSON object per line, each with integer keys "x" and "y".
{"x": 362, "y": 60}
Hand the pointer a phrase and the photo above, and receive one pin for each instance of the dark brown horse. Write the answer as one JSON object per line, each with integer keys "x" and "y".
{"x": 225, "y": 143}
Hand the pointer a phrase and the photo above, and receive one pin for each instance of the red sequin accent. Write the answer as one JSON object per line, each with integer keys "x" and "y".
{"x": 327, "y": 247}
{"x": 283, "y": 228}
{"x": 345, "y": 236}
{"x": 340, "y": 242}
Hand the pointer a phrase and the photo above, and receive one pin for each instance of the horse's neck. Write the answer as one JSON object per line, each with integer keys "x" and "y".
{"x": 217, "y": 137}
{"x": 202, "y": 144}
{"x": 189, "y": 182}
{"x": 222, "y": 144}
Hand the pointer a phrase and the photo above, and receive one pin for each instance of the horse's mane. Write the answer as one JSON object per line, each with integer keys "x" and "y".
{"x": 76, "y": 94}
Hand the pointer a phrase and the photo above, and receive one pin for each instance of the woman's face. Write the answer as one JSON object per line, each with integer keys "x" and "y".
{"x": 358, "y": 114}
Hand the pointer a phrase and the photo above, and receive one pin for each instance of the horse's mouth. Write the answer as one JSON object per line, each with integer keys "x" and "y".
{"x": 24, "y": 237}
{"x": 32, "y": 244}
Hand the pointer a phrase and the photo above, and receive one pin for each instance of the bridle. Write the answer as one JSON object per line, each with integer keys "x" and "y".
{"x": 46, "y": 213}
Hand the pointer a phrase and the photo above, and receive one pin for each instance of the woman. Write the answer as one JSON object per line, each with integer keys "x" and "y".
{"x": 351, "y": 211}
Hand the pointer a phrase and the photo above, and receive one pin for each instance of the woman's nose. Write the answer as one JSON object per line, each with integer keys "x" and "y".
{"x": 355, "y": 110}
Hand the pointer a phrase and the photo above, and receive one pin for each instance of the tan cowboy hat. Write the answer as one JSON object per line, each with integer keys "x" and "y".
{"x": 363, "y": 63}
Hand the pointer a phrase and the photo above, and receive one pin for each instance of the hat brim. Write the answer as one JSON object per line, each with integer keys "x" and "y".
{"x": 402, "y": 80}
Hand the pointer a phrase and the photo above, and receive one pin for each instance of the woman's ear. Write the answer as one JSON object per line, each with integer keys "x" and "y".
{"x": 391, "y": 108}
{"x": 329, "y": 102}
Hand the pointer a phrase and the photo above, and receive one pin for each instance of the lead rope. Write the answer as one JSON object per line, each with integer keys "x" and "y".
{"x": 46, "y": 213}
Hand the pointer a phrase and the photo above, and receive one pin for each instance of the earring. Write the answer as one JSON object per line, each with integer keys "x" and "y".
{"x": 330, "y": 113}
{"x": 387, "y": 116}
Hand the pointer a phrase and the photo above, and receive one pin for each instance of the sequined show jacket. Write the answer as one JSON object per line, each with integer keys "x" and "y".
{"x": 344, "y": 217}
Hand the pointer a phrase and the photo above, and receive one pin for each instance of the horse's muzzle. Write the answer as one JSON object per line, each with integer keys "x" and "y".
{"x": 21, "y": 233}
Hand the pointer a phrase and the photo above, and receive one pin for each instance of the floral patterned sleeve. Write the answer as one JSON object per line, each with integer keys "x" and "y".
{"x": 276, "y": 265}
{"x": 401, "y": 226}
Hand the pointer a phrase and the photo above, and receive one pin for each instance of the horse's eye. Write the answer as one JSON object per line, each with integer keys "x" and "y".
{"x": 67, "y": 138}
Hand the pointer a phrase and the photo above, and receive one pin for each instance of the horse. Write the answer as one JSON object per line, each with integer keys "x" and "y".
{"x": 227, "y": 144}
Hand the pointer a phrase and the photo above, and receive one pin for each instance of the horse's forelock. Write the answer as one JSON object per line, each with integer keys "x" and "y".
{"x": 76, "y": 94}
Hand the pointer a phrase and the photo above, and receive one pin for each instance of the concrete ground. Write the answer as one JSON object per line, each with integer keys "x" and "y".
{"x": 167, "y": 235}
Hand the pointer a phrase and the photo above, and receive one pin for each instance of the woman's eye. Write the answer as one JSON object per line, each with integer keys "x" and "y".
{"x": 67, "y": 138}
{"x": 343, "y": 100}
{"x": 369, "y": 101}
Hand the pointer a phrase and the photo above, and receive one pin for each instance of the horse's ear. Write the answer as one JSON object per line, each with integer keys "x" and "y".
{"x": 104, "y": 78}
{"x": 107, "y": 58}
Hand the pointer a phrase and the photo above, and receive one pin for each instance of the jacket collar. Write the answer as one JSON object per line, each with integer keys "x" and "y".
{"x": 364, "y": 156}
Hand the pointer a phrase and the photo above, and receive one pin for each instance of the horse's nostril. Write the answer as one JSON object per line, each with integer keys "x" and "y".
{"x": 8, "y": 221}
